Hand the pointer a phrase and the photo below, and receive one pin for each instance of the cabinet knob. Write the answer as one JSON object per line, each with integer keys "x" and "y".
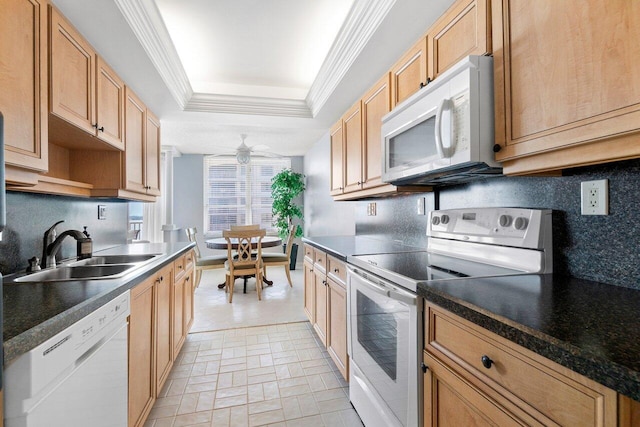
{"x": 161, "y": 279}
{"x": 486, "y": 361}
{"x": 336, "y": 270}
{"x": 424, "y": 367}
{"x": 101, "y": 128}
{"x": 497, "y": 148}
{"x": 424, "y": 84}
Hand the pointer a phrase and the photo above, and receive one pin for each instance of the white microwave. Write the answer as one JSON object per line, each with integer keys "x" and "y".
{"x": 443, "y": 134}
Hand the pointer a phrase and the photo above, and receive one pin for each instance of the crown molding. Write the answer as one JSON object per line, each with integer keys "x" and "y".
{"x": 361, "y": 23}
{"x": 248, "y": 105}
{"x": 146, "y": 22}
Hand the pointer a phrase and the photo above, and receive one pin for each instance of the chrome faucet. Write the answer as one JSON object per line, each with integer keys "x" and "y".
{"x": 51, "y": 244}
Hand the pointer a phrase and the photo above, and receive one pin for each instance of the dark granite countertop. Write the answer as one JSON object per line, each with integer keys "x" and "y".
{"x": 591, "y": 328}
{"x": 34, "y": 312}
{"x": 343, "y": 246}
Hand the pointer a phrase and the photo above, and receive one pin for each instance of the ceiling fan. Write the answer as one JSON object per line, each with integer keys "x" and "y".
{"x": 243, "y": 152}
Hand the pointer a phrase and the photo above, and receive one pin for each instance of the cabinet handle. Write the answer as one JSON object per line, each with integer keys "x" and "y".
{"x": 424, "y": 84}
{"x": 424, "y": 367}
{"x": 335, "y": 270}
{"x": 101, "y": 128}
{"x": 161, "y": 279}
{"x": 486, "y": 361}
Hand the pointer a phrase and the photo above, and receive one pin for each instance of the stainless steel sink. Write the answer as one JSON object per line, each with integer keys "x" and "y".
{"x": 115, "y": 259}
{"x": 78, "y": 272}
{"x": 95, "y": 268}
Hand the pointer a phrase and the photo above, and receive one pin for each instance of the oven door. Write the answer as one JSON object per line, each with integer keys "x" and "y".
{"x": 384, "y": 343}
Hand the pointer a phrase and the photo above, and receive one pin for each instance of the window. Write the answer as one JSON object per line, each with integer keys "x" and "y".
{"x": 239, "y": 194}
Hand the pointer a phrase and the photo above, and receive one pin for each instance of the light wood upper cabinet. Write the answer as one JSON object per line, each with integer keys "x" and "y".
{"x": 84, "y": 91}
{"x": 109, "y": 105}
{"x": 337, "y": 159}
{"x": 463, "y": 30}
{"x": 152, "y": 154}
{"x": 567, "y": 87}
{"x": 142, "y": 154}
{"x": 352, "y": 131}
{"x": 375, "y": 104}
{"x": 23, "y": 88}
{"x": 72, "y": 74}
{"x": 409, "y": 74}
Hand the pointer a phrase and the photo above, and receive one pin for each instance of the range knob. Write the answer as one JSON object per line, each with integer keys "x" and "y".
{"x": 504, "y": 220}
{"x": 435, "y": 220}
{"x": 444, "y": 219}
{"x": 520, "y": 223}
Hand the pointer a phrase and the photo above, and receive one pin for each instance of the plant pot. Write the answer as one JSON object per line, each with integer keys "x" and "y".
{"x": 294, "y": 255}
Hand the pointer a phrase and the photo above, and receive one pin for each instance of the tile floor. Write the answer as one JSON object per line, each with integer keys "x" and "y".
{"x": 253, "y": 375}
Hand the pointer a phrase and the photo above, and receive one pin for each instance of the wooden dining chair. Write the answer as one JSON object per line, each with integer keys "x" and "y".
{"x": 246, "y": 259}
{"x": 271, "y": 259}
{"x": 245, "y": 227}
{"x": 204, "y": 263}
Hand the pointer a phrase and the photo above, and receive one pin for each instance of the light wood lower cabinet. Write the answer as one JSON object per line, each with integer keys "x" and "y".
{"x": 475, "y": 377}
{"x": 325, "y": 303}
{"x": 161, "y": 315}
{"x": 309, "y": 286}
{"x": 163, "y": 309}
{"x": 142, "y": 327}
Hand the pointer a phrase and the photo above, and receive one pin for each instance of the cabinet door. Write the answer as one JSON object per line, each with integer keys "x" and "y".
{"x": 72, "y": 74}
{"x": 337, "y": 159}
{"x": 109, "y": 105}
{"x": 352, "y": 131}
{"x": 141, "y": 344}
{"x": 164, "y": 351}
{"x": 152, "y": 154}
{"x": 320, "y": 305}
{"x": 23, "y": 85}
{"x": 558, "y": 89}
{"x": 309, "y": 290}
{"x": 134, "y": 123}
{"x": 337, "y": 329}
{"x": 464, "y": 29}
{"x": 189, "y": 289}
{"x": 178, "y": 316}
{"x": 409, "y": 74}
{"x": 375, "y": 104}
{"x": 451, "y": 400}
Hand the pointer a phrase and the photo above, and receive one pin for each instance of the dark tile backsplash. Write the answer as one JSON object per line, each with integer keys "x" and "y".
{"x": 29, "y": 215}
{"x": 601, "y": 248}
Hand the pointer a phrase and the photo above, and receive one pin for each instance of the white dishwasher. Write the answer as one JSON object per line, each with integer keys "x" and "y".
{"x": 77, "y": 378}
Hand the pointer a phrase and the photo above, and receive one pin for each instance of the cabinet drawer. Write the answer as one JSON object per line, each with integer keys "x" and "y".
{"x": 189, "y": 260}
{"x": 337, "y": 269}
{"x": 308, "y": 253}
{"x": 321, "y": 260}
{"x": 179, "y": 266}
{"x": 558, "y": 393}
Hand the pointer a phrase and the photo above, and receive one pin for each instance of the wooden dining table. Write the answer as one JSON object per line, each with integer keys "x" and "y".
{"x": 221, "y": 243}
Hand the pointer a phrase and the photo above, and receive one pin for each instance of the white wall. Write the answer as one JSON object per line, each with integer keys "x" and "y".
{"x": 323, "y": 216}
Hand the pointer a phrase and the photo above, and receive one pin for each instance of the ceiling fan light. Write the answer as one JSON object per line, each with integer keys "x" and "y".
{"x": 243, "y": 157}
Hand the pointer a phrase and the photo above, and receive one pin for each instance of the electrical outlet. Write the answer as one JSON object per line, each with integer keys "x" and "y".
{"x": 594, "y": 197}
{"x": 102, "y": 212}
{"x": 371, "y": 209}
{"x": 421, "y": 204}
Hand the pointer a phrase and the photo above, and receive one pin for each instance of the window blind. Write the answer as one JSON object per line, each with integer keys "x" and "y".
{"x": 239, "y": 194}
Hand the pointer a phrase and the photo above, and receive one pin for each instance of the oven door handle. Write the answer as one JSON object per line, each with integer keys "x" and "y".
{"x": 387, "y": 290}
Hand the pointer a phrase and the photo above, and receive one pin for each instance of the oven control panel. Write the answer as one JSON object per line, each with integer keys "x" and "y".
{"x": 501, "y": 226}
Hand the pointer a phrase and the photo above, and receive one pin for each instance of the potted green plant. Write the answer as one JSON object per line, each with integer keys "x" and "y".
{"x": 285, "y": 187}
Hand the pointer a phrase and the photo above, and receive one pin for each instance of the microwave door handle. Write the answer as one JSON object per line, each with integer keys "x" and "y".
{"x": 443, "y": 152}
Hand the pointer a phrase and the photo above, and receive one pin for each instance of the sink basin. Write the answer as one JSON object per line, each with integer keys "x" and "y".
{"x": 115, "y": 259}
{"x": 78, "y": 272}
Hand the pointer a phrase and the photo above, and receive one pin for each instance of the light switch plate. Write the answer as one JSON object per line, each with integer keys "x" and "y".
{"x": 421, "y": 204}
{"x": 102, "y": 212}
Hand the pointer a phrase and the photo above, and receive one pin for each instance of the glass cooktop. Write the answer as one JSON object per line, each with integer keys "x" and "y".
{"x": 408, "y": 268}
